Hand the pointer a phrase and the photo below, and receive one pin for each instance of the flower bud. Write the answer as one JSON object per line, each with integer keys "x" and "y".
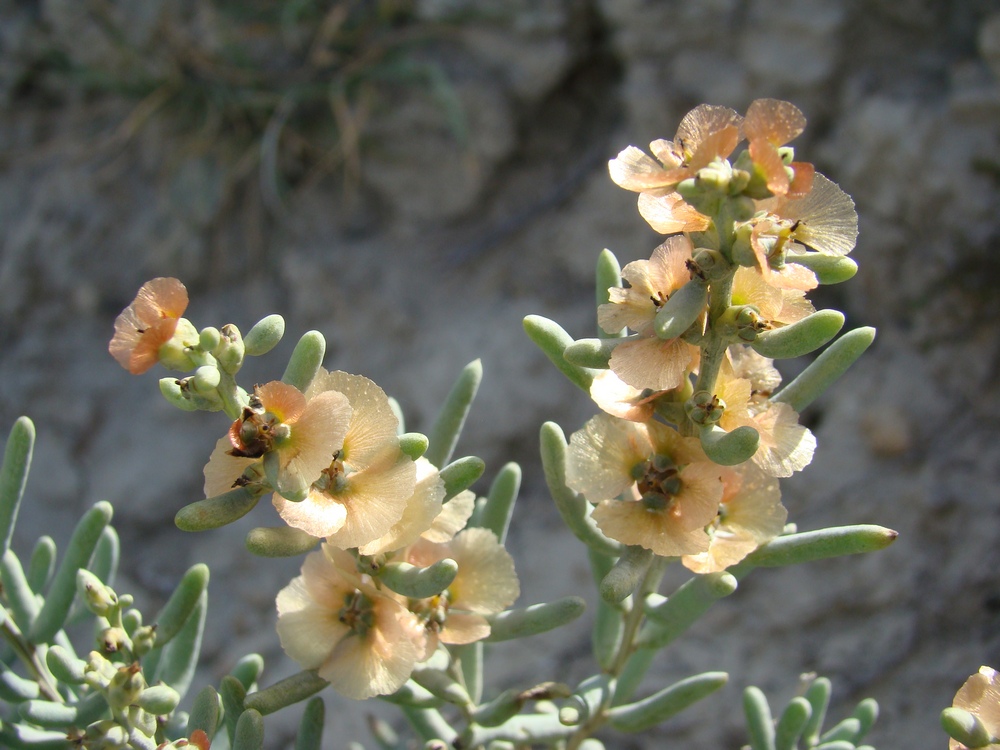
{"x": 113, "y": 640}
{"x": 176, "y": 395}
{"x": 97, "y": 597}
{"x": 106, "y": 735}
{"x": 206, "y": 379}
{"x": 231, "y": 349}
{"x": 209, "y": 339}
{"x": 143, "y": 640}
{"x": 704, "y": 408}
{"x": 742, "y": 253}
{"x": 175, "y": 354}
{"x": 125, "y": 687}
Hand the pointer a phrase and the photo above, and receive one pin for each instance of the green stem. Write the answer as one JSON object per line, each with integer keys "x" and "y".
{"x": 229, "y": 392}
{"x": 633, "y": 622}
{"x": 29, "y": 656}
{"x": 714, "y": 345}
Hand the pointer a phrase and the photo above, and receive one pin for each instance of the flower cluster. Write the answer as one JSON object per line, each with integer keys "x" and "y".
{"x": 685, "y": 460}
{"x": 330, "y": 455}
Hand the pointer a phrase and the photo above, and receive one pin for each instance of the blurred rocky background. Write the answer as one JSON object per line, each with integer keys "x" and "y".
{"x": 411, "y": 178}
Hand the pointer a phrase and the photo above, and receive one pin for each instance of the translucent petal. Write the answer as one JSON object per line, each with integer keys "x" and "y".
{"x": 421, "y": 510}
{"x": 668, "y": 213}
{"x": 774, "y": 121}
{"x": 319, "y": 514}
{"x": 453, "y": 516}
{"x": 602, "y": 455}
{"x": 700, "y": 123}
{"x": 630, "y": 522}
{"x": 222, "y": 469}
{"x": 375, "y": 499}
{"x": 654, "y": 363}
{"x": 635, "y": 170}
{"x": 373, "y": 423}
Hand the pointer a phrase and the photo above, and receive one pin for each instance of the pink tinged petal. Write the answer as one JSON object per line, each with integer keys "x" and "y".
{"x": 697, "y": 505}
{"x": 634, "y": 170}
{"x": 669, "y": 213}
{"x": 792, "y": 276}
{"x": 980, "y": 695}
{"x": 717, "y": 145}
{"x": 381, "y": 660}
{"x": 628, "y": 308}
{"x": 486, "y": 582}
{"x": 619, "y": 399}
{"x": 630, "y": 522}
{"x": 462, "y": 628}
{"x": 701, "y": 123}
{"x": 772, "y": 120}
{"x": 602, "y": 455}
{"x": 285, "y": 401}
{"x": 760, "y": 371}
{"x": 375, "y": 499}
{"x": 317, "y": 434}
{"x": 794, "y": 306}
{"x": 785, "y": 445}
{"x": 453, "y": 517}
{"x": 373, "y": 427}
{"x": 418, "y": 515}
{"x": 654, "y": 363}
{"x": 802, "y": 182}
{"x": 828, "y": 221}
{"x": 767, "y": 159}
{"x": 162, "y": 297}
{"x": 222, "y": 469}
{"x": 319, "y": 514}
{"x": 750, "y": 288}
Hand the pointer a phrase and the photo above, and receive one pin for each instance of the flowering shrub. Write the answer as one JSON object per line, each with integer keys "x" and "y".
{"x": 411, "y": 576}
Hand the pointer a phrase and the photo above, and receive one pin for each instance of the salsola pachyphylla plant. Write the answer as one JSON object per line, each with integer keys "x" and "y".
{"x": 405, "y": 575}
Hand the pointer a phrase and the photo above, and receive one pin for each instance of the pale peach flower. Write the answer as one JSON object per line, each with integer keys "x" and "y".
{"x": 333, "y": 620}
{"x": 422, "y": 509}
{"x": 770, "y": 239}
{"x": 769, "y": 124}
{"x": 362, "y": 490}
{"x": 279, "y": 420}
{"x": 785, "y": 445}
{"x": 824, "y": 219}
{"x": 485, "y": 584}
{"x": 751, "y": 514}
{"x": 653, "y": 487}
{"x": 648, "y": 361}
{"x": 617, "y": 398}
{"x": 149, "y": 323}
{"x": 775, "y": 305}
{"x": 980, "y": 696}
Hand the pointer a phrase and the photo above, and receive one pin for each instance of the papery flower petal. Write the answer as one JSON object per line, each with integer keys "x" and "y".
{"x": 317, "y": 434}
{"x": 319, "y": 514}
{"x": 617, "y": 398}
{"x": 373, "y": 423}
{"x": 631, "y": 522}
{"x": 379, "y": 662}
{"x": 453, "y": 517}
{"x": 635, "y": 170}
{"x": 774, "y": 121}
{"x": 980, "y": 696}
{"x": 462, "y": 628}
{"x": 701, "y": 123}
{"x": 423, "y": 507}
{"x": 785, "y": 445}
{"x": 375, "y": 499}
{"x": 148, "y": 323}
{"x": 826, "y": 219}
{"x": 223, "y": 469}
{"x": 285, "y": 401}
{"x": 654, "y": 363}
{"x": 669, "y": 213}
{"x": 602, "y": 455}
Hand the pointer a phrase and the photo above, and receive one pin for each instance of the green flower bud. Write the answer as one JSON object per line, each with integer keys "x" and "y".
{"x": 689, "y": 189}
{"x": 709, "y": 265}
{"x": 159, "y": 700}
{"x": 231, "y": 349}
{"x": 97, "y": 597}
{"x": 742, "y": 253}
{"x": 206, "y": 379}
{"x": 176, "y": 395}
{"x": 704, "y": 408}
{"x": 107, "y": 735}
{"x": 125, "y": 687}
{"x": 264, "y": 336}
{"x": 175, "y": 354}
{"x": 209, "y": 339}
{"x": 787, "y": 154}
{"x": 143, "y": 640}
{"x": 113, "y": 640}
{"x": 715, "y": 176}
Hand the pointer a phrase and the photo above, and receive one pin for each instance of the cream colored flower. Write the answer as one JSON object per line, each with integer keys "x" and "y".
{"x": 149, "y": 323}
{"x": 363, "y": 489}
{"x": 980, "y": 696}
{"x": 333, "y": 620}
{"x": 303, "y": 436}
{"x": 485, "y": 584}
{"x": 751, "y": 514}
{"x": 653, "y": 487}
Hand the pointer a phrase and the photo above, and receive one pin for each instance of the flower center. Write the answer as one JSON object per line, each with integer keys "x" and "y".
{"x": 659, "y": 482}
{"x": 357, "y": 613}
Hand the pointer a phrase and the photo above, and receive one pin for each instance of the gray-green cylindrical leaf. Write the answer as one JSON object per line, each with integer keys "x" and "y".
{"x": 729, "y": 448}
{"x": 641, "y": 715}
{"x": 608, "y": 276}
{"x": 500, "y": 500}
{"x": 625, "y": 574}
{"x": 846, "y": 730}
{"x": 443, "y": 435}
{"x": 64, "y": 666}
{"x": 760, "y": 725}
{"x": 866, "y": 713}
{"x": 460, "y": 474}
{"x": 16, "y": 689}
{"x": 829, "y": 269}
{"x": 801, "y": 337}
{"x": 20, "y": 599}
{"x": 264, "y": 335}
{"x": 572, "y": 506}
{"x": 248, "y": 670}
{"x": 500, "y": 709}
{"x": 159, "y": 700}
{"x": 233, "y": 695}
{"x": 792, "y": 723}
{"x": 249, "y": 734}
{"x": 60, "y": 595}
{"x": 807, "y": 546}
{"x": 179, "y": 657}
{"x": 964, "y": 727}
{"x": 538, "y": 618}
{"x": 818, "y": 695}
{"x": 104, "y": 563}
{"x": 681, "y": 310}
{"x": 205, "y": 712}
{"x": 412, "y": 694}
{"x": 14, "y": 475}
{"x": 214, "y": 512}
{"x": 26, "y": 737}
{"x": 419, "y": 583}
{"x": 833, "y": 362}
{"x": 609, "y": 623}
{"x": 52, "y": 715}
{"x": 306, "y": 359}
{"x": 181, "y": 604}
{"x": 443, "y": 685}
{"x": 550, "y": 337}
{"x": 279, "y": 541}
{"x": 284, "y": 693}
{"x": 670, "y": 619}
{"x": 42, "y": 564}
{"x": 310, "y": 735}
{"x": 594, "y": 353}
{"x": 429, "y": 724}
